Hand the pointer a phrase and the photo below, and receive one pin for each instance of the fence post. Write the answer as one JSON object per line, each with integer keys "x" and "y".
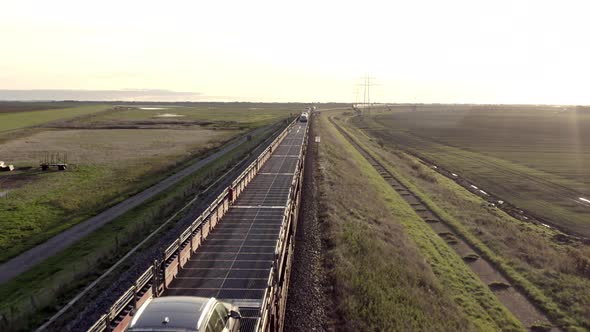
{"x": 135, "y": 291}
{"x": 155, "y": 278}
{"x": 179, "y": 251}
{"x": 191, "y": 239}
{"x": 162, "y": 267}
{"x": 107, "y": 321}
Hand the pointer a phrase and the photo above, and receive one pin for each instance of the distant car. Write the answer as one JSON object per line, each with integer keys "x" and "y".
{"x": 304, "y": 117}
{"x": 186, "y": 313}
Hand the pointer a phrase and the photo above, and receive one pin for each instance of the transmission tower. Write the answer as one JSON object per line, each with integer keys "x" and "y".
{"x": 367, "y": 83}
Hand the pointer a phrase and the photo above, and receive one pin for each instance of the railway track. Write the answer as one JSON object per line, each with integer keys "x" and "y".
{"x": 239, "y": 250}
{"x": 513, "y": 299}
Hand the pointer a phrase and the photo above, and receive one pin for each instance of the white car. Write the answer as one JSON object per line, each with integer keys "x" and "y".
{"x": 186, "y": 313}
{"x": 304, "y": 117}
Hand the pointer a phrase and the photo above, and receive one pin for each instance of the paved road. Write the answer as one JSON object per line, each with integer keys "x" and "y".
{"x": 36, "y": 255}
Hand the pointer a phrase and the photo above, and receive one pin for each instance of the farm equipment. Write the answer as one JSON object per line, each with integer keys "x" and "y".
{"x": 6, "y": 168}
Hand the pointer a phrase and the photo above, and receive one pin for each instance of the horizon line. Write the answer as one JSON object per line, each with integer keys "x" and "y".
{"x": 275, "y": 102}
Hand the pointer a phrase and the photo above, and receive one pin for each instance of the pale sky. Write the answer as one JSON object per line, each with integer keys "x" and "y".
{"x": 418, "y": 51}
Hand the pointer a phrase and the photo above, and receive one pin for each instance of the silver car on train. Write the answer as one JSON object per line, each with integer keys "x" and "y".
{"x": 184, "y": 314}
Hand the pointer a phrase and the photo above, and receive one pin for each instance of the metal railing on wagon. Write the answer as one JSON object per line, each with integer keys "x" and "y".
{"x": 158, "y": 276}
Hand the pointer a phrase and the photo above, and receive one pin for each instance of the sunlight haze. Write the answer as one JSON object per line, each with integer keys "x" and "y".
{"x": 419, "y": 51}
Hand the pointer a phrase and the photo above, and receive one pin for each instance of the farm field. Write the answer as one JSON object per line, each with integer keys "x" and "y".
{"x": 17, "y": 117}
{"x": 537, "y": 158}
{"x": 208, "y": 114}
{"x": 387, "y": 269}
{"x": 23, "y": 106}
{"x": 552, "y": 273}
{"x": 106, "y": 163}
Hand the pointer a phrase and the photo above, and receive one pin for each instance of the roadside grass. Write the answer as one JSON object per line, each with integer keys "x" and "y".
{"x": 18, "y": 120}
{"x": 554, "y": 275}
{"x": 390, "y": 271}
{"x": 35, "y": 295}
{"x": 535, "y": 157}
{"x": 108, "y": 167}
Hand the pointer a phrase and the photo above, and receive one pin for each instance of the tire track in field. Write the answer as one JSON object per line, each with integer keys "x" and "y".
{"x": 413, "y": 146}
{"x": 547, "y": 183}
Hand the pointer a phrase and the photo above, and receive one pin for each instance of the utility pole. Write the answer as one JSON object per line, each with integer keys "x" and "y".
{"x": 367, "y": 84}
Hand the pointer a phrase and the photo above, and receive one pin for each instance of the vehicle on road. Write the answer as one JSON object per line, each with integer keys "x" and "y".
{"x": 186, "y": 313}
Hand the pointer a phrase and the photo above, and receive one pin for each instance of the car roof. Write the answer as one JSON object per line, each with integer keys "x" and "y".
{"x": 183, "y": 313}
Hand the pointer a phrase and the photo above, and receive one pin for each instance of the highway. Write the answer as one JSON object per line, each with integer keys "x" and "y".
{"x": 235, "y": 262}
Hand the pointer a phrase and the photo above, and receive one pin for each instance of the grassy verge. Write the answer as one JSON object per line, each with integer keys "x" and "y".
{"x": 553, "y": 275}
{"x": 30, "y": 298}
{"x": 390, "y": 271}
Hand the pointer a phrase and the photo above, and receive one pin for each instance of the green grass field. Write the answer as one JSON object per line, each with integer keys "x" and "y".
{"x": 239, "y": 115}
{"x": 104, "y": 169}
{"x": 16, "y": 119}
{"x": 390, "y": 271}
{"x": 537, "y": 158}
{"x": 23, "y": 106}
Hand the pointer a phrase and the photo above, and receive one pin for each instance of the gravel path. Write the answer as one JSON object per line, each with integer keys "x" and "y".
{"x": 35, "y": 255}
{"x": 306, "y": 302}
